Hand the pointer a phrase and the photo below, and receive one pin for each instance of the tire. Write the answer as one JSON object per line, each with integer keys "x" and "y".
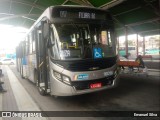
{"x": 42, "y": 91}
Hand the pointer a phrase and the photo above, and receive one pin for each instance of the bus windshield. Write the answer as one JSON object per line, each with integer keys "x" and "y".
{"x": 84, "y": 41}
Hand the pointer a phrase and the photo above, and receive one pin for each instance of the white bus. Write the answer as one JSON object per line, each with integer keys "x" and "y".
{"x": 70, "y": 50}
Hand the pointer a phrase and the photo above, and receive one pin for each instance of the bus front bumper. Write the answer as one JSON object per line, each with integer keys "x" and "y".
{"x": 61, "y": 89}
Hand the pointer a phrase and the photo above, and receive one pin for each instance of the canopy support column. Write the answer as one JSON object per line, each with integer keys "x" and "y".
{"x": 118, "y": 44}
{"x": 143, "y": 45}
{"x": 137, "y": 45}
{"x": 126, "y": 40}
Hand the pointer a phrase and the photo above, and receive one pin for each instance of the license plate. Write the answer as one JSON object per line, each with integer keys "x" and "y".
{"x": 95, "y": 85}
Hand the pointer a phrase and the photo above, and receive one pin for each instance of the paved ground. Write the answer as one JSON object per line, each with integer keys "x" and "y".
{"x": 152, "y": 64}
{"x": 134, "y": 93}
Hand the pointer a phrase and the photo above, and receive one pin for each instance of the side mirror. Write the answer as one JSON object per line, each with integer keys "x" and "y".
{"x": 45, "y": 30}
{"x": 51, "y": 40}
{"x": 50, "y": 43}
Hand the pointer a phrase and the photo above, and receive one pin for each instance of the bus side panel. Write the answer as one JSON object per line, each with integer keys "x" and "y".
{"x": 24, "y": 67}
{"x": 31, "y": 66}
{"x": 18, "y": 63}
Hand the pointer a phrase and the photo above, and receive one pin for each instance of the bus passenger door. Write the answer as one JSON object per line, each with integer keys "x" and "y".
{"x": 41, "y": 56}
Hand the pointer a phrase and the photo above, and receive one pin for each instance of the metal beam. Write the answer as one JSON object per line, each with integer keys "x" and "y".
{"x": 64, "y": 2}
{"x": 29, "y": 12}
{"x": 154, "y": 9}
{"x": 30, "y": 4}
{"x": 86, "y": 1}
{"x": 6, "y": 14}
{"x": 149, "y": 31}
{"x": 20, "y": 15}
{"x": 10, "y": 7}
{"x": 138, "y": 7}
{"x": 128, "y": 11}
{"x": 139, "y": 23}
{"x": 111, "y": 4}
{"x": 28, "y": 18}
{"x": 143, "y": 22}
{"x": 123, "y": 25}
{"x": 25, "y": 3}
{"x": 80, "y": 2}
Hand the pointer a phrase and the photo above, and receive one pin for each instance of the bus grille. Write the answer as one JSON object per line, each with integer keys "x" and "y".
{"x": 85, "y": 66}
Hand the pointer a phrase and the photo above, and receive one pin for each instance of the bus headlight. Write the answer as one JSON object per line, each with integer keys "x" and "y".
{"x": 65, "y": 79}
{"x": 57, "y": 75}
{"x": 61, "y": 77}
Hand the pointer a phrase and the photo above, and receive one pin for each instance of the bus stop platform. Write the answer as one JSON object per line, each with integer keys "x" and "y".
{"x": 16, "y": 98}
{"x": 132, "y": 94}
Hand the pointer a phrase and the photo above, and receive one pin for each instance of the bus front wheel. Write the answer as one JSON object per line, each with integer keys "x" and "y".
{"x": 41, "y": 91}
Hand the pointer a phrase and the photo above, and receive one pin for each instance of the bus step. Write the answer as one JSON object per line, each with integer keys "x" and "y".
{"x": 48, "y": 90}
{"x": 42, "y": 84}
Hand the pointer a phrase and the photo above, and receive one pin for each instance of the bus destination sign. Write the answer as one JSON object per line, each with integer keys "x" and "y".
{"x": 86, "y": 15}
{"x": 79, "y": 13}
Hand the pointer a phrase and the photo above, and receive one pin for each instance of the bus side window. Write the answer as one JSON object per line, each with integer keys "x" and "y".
{"x": 27, "y": 46}
{"x": 30, "y": 43}
{"x": 23, "y": 49}
{"x": 33, "y": 42}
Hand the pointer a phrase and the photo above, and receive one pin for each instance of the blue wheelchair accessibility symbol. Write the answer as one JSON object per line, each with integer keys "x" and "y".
{"x": 97, "y": 53}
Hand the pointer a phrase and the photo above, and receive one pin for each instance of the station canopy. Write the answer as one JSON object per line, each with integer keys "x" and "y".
{"x": 138, "y": 16}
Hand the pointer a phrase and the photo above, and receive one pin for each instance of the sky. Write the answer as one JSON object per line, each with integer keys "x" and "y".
{"x": 10, "y": 36}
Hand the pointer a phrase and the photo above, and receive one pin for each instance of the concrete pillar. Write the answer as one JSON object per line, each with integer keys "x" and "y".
{"x": 143, "y": 45}
{"x": 118, "y": 44}
{"x": 137, "y": 45}
{"x": 126, "y": 40}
